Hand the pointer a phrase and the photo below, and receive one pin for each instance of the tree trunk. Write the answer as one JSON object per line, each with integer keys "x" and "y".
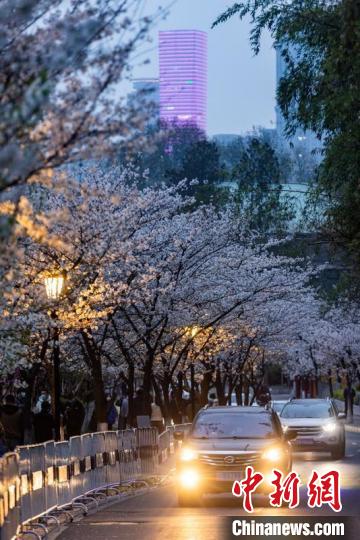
{"x": 246, "y": 393}
{"x": 148, "y": 372}
{"x": 165, "y": 385}
{"x": 331, "y": 389}
{"x": 239, "y": 390}
{"x": 99, "y": 391}
{"x": 205, "y": 387}
{"x": 220, "y": 388}
{"x": 131, "y": 380}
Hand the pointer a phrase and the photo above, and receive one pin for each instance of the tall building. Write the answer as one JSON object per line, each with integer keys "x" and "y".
{"x": 183, "y": 77}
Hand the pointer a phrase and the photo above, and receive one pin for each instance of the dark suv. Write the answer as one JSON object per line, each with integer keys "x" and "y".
{"x": 221, "y": 443}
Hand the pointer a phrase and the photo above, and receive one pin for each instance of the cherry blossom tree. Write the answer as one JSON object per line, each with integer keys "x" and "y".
{"x": 154, "y": 287}
{"x": 63, "y": 64}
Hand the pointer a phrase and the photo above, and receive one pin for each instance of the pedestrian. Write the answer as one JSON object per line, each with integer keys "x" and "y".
{"x": 263, "y": 395}
{"x": 44, "y": 396}
{"x": 124, "y": 412}
{"x": 74, "y": 418}
{"x": 11, "y": 418}
{"x": 157, "y": 419}
{"x": 111, "y": 413}
{"x": 212, "y": 399}
{"x": 44, "y": 425}
{"x": 89, "y": 418}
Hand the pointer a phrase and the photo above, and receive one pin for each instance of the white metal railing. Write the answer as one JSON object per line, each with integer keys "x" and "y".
{"x": 38, "y": 480}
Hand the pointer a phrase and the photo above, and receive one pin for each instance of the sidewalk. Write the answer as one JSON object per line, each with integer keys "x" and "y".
{"x": 354, "y": 426}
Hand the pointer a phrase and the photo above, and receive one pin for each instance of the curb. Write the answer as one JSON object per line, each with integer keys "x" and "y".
{"x": 55, "y": 533}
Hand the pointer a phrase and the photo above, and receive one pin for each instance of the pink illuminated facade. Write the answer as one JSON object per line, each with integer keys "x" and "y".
{"x": 183, "y": 77}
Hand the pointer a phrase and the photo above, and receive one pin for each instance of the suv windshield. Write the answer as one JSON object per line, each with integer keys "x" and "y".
{"x": 307, "y": 410}
{"x": 234, "y": 425}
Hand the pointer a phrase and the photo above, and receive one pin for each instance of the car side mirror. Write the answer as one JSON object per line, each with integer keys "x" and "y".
{"x": 289, "y": 435}
{"x": 341, "y": 415}
{"x": 179, "y": 435}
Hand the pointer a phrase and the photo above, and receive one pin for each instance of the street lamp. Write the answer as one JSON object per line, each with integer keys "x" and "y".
{"x": 54, "y": 286}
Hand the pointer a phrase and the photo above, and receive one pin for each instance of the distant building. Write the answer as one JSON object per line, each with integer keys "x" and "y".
{"x": 183, "y": 77}
{"x": 147, "y": 88}
{"x": 145, "y": 94}
{"x": 226, "y": 138}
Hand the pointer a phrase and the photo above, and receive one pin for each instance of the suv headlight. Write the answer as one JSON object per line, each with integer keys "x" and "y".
{"x": 187, "y": 454}
{"x": 273, "y": 454}
{"x": 330, "y": 428}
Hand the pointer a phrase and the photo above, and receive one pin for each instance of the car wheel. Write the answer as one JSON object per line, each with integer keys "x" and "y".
{"x": 189, "y": 499}
{"x": 339, "y": 452}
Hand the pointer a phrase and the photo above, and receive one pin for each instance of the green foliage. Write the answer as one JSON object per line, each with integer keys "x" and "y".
{"x": 230, "y": 152}
{"x": 339, "y": 394}
{"x": 258, "y": 191}
{"x": 249, "y": 166}
{"x": 200, "y": 162}
{"x": 320, "y": 43}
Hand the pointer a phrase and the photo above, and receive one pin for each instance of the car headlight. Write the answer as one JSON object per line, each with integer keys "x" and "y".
{"x": 330, "y": 428}
{"x": 273, "y": 454}
{"x": 187, "y": 454}
{"x": 189, "y": 478}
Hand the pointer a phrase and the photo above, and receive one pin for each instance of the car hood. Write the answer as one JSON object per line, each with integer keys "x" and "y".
{"x": 306, "y": 422}
{"x": 231, "y": 445}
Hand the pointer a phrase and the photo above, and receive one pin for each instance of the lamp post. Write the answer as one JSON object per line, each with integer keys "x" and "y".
{"x": 54, "y": 285}
{"x": 193, "y": 331}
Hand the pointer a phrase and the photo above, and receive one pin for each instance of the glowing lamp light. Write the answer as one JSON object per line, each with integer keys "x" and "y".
{"x": 273, "y": 454}
{"x": 187, "y": 454}
{"x": 189, "y": 478}
{"x": 330, "y": 428}
{"x": 54, "y": 286}
{"x": 193, "y": 330}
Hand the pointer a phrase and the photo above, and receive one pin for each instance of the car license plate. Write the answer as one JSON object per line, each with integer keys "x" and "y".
{"x": 229, "y": 476}
{"x": 302, "y": 441}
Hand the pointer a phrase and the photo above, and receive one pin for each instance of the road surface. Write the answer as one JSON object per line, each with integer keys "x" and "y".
{"x": 155, "y": 515}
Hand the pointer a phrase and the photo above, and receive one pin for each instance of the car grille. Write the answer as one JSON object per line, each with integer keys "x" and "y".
{"x": 306, "y": 431}
{"x": 222, "y": 461}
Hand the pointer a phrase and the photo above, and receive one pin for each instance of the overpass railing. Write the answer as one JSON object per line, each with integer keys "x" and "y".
{"x": 37, "y": 481}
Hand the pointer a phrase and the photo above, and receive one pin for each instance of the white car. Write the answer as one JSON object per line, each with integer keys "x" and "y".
{"x": 316, "y": 424}
{"x": 278, "y": 405}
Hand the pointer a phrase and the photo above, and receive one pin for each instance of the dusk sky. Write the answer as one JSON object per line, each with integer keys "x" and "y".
{"x": 241, "y": 87}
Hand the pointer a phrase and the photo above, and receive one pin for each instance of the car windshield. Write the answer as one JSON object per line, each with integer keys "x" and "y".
{"x": 307, "y": 410}
{"x": 233, "y": 426}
